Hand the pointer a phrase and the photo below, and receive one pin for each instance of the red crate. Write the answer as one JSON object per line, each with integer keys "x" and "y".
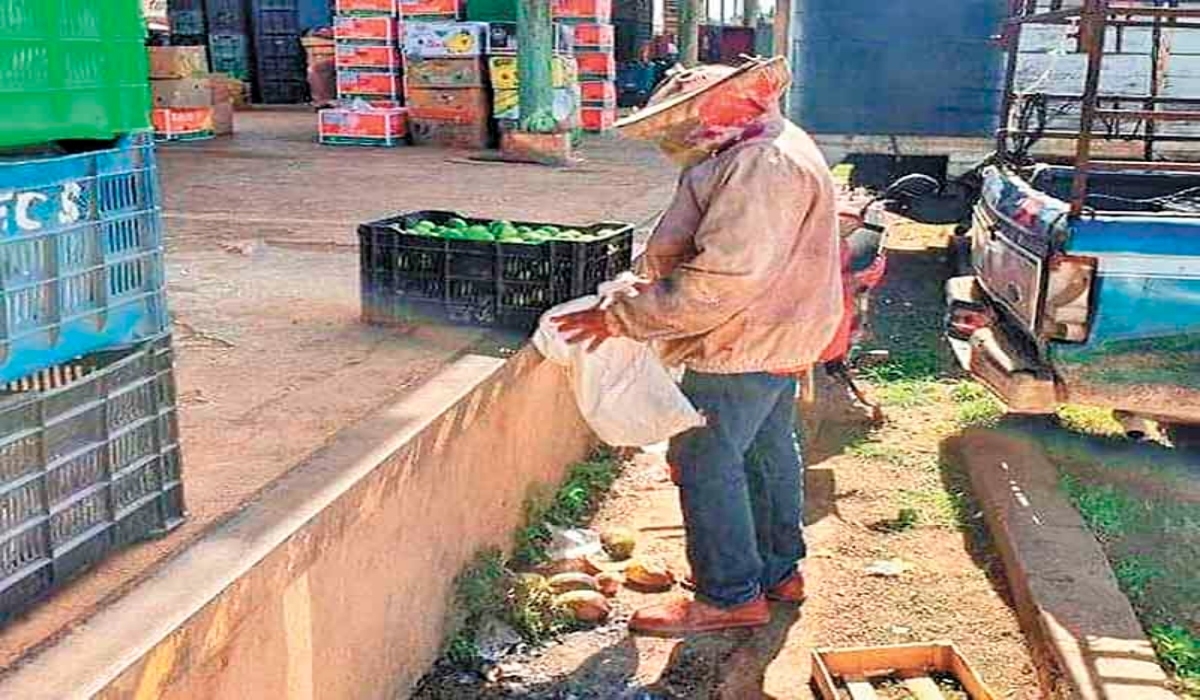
{"x": 598, "y": 118}
{"x": 384, "y": 127}
{"x": 596, "y": 64}
{"x": 598, "y": 92}
{"x": 390, "y": 7}
{"x": 361, "y": 28}
{"x": 448, "y": 9}
{"x": 352, "y": 55}
{"x": 594, "y": 36}
{"x": 449, "y": 105}
{"x": 593, "y": 10}
{"x": 368, "y": 83}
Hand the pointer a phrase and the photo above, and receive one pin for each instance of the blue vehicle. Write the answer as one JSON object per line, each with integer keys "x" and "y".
{"x": 1084, "y": 282}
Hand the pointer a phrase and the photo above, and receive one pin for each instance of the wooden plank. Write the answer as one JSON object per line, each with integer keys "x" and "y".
{"x": 820, "y": 676}
{"x": 923, "y": 688}
{"x": 870, "y": 661}
{"x": 861, "y": 690}
{"x": 967, "y": 678}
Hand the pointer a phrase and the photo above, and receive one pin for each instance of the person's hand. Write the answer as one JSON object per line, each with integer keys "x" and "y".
{"x": 589, "y": 327}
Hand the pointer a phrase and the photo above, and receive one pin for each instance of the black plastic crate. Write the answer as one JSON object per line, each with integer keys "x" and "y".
{"x": 227, "y": 16}
{"x": 413, "y": 278}
{"x": 89, "y": 464}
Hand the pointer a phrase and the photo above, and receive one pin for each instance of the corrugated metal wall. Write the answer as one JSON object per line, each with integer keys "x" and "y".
{"x": 897, "y": 67}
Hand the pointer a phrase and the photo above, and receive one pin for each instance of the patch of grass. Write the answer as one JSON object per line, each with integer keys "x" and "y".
{"x": 937, "y": 505}
{"x": 1136, "y": 573}
{"x": 1108, "y": 512}
{"x": 574, "y": 502}
{"x": 975, "y": 405}
{"x": 908, "y": 393}
{"x": 1089, "y": 420}
{"x": 490, "y": 587}
{"x": 905, "y": 365}
{"x": 1179, "y": 650}
{"x": 878, "y": 451}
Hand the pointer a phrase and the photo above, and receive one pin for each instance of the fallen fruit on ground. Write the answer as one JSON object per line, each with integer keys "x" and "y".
{"x": 585, "y": 606}
{"x": 650, "y": 577}
{"x": 573, "y": 581}
{"x": 610, "y": 583}
{"x": 619, "y": 543}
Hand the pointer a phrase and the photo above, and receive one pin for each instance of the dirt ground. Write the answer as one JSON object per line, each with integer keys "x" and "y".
{"x": 859, "y": 478}
{"x": 263, "y": 278}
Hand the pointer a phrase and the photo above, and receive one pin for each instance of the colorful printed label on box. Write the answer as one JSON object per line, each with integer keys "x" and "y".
{"x": 171, "y": 122}
{"x": 506, "y": 105}
{"x": 361, "y": 82}
{"x": 382, "y": 6}
{"x": 444, "y": 39}
{"x": 382, "y": 29}
{"x": 503, "y": 70}
{"x": 428, "y": 8}
{"x": 373, "y": 123}
{"x": 350, "y": 55}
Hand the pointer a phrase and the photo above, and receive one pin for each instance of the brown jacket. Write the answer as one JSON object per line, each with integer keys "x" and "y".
{"x": 745, "y": 262}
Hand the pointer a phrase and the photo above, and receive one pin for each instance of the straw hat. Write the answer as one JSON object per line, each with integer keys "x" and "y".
{"x": 695, "y": 101}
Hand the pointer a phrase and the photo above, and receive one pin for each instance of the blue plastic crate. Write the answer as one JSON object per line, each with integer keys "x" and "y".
{"x": 81, "y": 265}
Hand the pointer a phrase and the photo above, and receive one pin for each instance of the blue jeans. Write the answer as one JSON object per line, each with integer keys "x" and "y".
{"x": 741, "y": 485}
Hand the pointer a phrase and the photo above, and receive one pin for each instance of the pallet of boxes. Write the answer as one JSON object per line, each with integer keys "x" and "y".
{"x": 446, "y": 87}
{"x": 367, "y": 58}
{"x": 593, "y": 39}
{"x": 89, "y": 445}
{"x": 189, "y": 103}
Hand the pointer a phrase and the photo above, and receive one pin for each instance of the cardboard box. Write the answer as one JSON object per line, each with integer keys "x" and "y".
{"x": 357, "y": 55}
{"x": 448, "y": 9}
{"x": 175, "y": 62}
{"x": 381, "y": 28}
{"x": 444, "y": 39}
{"x": 502, "y": 38}
{"x": 597, "y": 118}
{"x": 222, "y": 118}
{"x": 439, "y": 133}
{"x": 597, "y": 64}
{"x": 183, "y": 92}
{"x": 594, "y": 36}
{"x": 592, "y": 10}
{"x": 374, "y": 127}
{"x": 227, "y": 89}
{"x": 390, "y": 7}
{"x": 598, "y": 93}
{"x": 449, "y": 105}
{"x": 368, "y": 83}
{"x": 503, "y": 70}
{"x": 506, "y": 106}
{"x": 444, "y": 72}
{"x": 185, "y": 123}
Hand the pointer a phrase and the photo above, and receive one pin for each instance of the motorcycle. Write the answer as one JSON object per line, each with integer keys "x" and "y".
{"x": 863, "y": 229}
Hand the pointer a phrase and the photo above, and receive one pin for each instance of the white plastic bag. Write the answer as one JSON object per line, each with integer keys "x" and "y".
{"x": 624, "y": 392}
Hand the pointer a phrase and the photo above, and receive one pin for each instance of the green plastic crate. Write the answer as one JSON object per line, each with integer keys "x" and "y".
{"x": 71, "y": 69}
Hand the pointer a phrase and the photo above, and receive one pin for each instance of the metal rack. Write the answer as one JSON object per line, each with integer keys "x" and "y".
{"x": 1101, "y": 117}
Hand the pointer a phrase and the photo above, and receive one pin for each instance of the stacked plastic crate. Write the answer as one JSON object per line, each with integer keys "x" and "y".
{"x": 502, "y": 60}
{"x": 592, "y": 23}
{"x": 369, "y": 76}
{"x": 446, "y": 84}
{"x": 89, "y": 450}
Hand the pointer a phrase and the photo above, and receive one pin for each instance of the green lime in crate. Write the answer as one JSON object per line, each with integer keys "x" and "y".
{"x": 71, "y": 69}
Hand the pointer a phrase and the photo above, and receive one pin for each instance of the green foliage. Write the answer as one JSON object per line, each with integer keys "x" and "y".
{"x": 1108, "y": 512}
{"x": 1179, "y": 650}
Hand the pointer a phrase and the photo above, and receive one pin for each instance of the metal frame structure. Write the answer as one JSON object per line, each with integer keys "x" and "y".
{"x": 1104, "y": 117}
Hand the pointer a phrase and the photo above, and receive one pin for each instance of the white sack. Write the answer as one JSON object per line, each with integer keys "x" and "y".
{"x": 624, "y": 392}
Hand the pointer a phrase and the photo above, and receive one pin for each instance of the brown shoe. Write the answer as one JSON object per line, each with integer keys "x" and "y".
{"x": 682, "y": 617}
{"x": 790, "y": 591}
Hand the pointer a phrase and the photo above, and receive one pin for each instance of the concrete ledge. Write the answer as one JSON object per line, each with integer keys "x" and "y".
{"x": 334, "y": 583}
{"x": 1064, "y": 589}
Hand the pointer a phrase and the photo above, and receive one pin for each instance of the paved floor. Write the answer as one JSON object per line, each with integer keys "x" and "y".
{"x": 271, "y": 357}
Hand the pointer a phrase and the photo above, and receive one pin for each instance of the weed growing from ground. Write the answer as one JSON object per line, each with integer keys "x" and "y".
{"x": 1107, "y": 511}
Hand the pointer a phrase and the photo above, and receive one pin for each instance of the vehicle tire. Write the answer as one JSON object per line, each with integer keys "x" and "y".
{"x": 1184, "y": 436}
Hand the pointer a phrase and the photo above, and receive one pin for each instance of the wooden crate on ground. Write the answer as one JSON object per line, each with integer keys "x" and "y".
{"x": 851, "y": 670}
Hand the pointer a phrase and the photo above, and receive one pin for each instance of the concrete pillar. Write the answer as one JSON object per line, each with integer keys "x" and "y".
{"x": 535, "y": 37}
{"x": 690, "y": 14}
